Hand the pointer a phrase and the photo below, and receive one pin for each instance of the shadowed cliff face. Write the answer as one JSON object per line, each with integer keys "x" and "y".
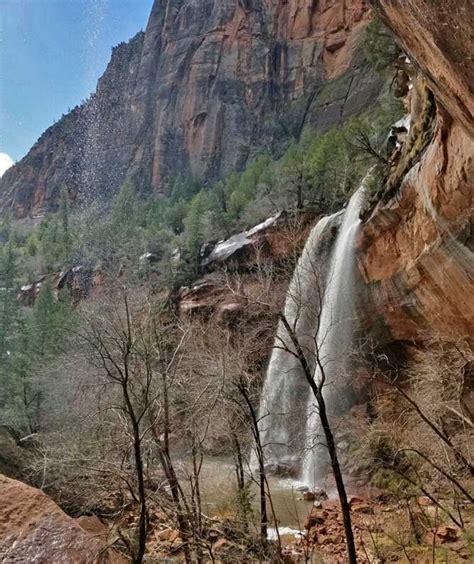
{"x": 416, "y": 249}
{"x": 437, "y": 34}
{"x": 207, "y": 86}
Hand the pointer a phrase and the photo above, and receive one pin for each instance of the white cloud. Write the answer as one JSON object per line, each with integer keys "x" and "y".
{"x": 5, "y": 163}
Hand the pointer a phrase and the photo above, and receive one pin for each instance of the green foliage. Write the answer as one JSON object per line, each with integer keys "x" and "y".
{"x": 254, "y": 177}
{"x": 28, "y": 338}
{"x": 54, "y": 238}
{"x": 379, "y": 45}
{"x": 320, "y": 171}
{"x": 34, "y": 338}
{"x": 184, "y": 188}
{"x": 9, "y": 271}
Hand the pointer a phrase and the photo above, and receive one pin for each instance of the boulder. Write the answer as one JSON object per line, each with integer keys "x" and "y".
{"x": 352, "y": 499}
{"x": 447, "y": 534}
{"x": 283, "y": 468}
{"x": 34, "y": 529}
{"x": 315, "y": 518}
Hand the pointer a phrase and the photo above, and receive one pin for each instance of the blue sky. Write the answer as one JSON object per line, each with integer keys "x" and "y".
{"x": 51, "y": 54}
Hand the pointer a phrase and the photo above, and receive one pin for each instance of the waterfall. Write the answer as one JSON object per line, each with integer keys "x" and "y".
{"x": 285, "y": 385}
{"x": 334, "y": 336}
{"x": 319, "y": 307}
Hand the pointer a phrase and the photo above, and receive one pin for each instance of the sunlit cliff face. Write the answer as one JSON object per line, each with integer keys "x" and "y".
{"x": 205, "y": 88}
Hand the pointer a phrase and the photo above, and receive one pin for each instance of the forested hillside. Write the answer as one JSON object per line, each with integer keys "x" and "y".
{"x": 236, "y": 295}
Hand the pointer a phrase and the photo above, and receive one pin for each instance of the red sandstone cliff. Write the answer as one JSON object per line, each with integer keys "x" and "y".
{"x": 416, "y": 249}
{"x": 205, "y": 87}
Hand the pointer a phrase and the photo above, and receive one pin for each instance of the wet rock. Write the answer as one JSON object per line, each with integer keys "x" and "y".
{"x": 419, "y": 25}
{"x": 315, "y": 518}
{"x": 317, "y": 495}
{"x": 283, "y": 468}
{"x": 320, "y": 494}
{"x": 302, "y": 488}
{"x": 415, "y": 245}
{"x": 352, "y": 499}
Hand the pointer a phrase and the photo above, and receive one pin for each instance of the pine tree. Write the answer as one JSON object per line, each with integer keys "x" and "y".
{"x": 8, "y": 304}
{"x": 9, "y": 316}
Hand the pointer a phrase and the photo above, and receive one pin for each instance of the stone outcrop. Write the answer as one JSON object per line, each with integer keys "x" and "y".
{"x": 416, "y": 248}
{"x": 34, "y": 529}
{"x": 278, "y": 238}
{"x": 437, "y": 34}
{"x": 207, "y": 86}
{"x": 275, "y": 243}
{"x": 78, "y": 282}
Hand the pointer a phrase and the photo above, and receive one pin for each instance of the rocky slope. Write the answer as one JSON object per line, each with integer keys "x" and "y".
{"x": 416, "y": 247}
{"x": 205, "y": 87}
{"x": 34, "y": 529}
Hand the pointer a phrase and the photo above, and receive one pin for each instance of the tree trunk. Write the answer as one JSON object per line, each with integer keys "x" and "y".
{"x": 299, "y": 192}
{"x": 341, "y": 489}
{"x": 261, "y": 463}
{"x": 143, "y": 516}
{"x": 336, "y": 469}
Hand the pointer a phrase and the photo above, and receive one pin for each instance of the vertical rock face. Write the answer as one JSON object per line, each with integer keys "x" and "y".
{"x": 438, "y": 36}
{"x": 417, "y": 248}
{"x": 208, "y": 85}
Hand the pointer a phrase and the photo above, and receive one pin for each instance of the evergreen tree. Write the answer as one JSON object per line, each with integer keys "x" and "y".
{"x": 9, "y": 271}
{"x": 193, "y": 224}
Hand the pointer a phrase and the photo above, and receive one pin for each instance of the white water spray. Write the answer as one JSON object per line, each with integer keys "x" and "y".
{"x": 321, "y": 314}
{"x": 334, "y": 336}
{"x": 281, "y": 401}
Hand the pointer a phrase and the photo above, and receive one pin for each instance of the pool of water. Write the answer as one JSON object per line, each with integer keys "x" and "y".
{"x": 218, "y": 491}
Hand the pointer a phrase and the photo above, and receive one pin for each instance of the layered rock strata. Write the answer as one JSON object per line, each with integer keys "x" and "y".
{"x": 207, "y": 86}
{"x": 416, "y": 249}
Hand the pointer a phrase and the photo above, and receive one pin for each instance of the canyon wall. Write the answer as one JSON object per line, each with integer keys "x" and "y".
{"x": 207, "y": 86}
{"x": 415, "y": 252}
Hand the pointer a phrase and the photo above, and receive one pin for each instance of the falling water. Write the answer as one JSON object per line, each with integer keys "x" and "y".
{"x": 285, "y": 386}
{"x": 320, "y": 310}
{"x": 334, "y": 335}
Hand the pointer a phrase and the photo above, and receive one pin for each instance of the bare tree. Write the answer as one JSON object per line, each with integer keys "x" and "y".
{"x": 306, "y": 349}
{"x": 139, "y": 348}
{"x": 119, "y": 351}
